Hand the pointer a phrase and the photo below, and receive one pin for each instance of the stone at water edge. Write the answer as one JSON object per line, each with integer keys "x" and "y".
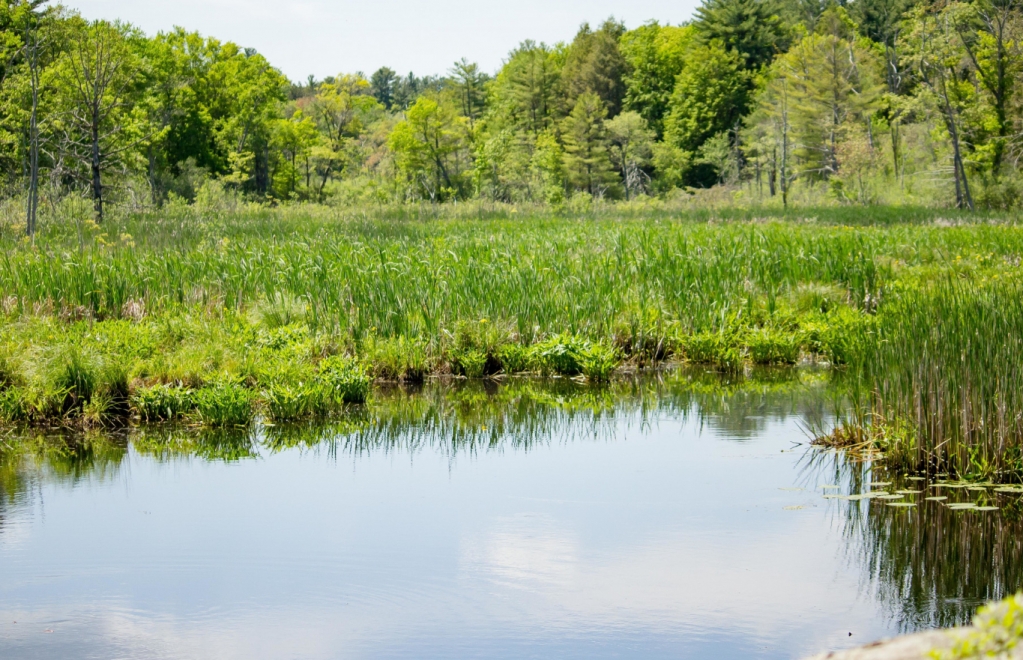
{"x": 909, "y": 647}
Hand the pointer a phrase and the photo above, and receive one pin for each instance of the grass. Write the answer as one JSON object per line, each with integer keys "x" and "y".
{"x": 297, "y": 308}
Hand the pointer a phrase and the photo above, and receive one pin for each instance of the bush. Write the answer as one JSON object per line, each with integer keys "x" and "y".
{"x": 599, "y": 362}
{"x": 399, "y": 358}
{"x": 561, "y": 355}
{"x": 568, "y": 355}
{"x": 470, "y": 363}
{"x": 715, "y": 348}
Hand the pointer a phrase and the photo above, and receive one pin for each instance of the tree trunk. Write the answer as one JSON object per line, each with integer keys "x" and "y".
{"x": 33, "y": 140}
{"x": 97, "y": 181}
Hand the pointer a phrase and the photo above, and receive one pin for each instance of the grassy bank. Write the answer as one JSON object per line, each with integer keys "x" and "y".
{"x": 218, "y": 316}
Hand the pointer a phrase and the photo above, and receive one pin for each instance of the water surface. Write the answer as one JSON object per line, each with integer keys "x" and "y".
{"x": 674, "y": 516}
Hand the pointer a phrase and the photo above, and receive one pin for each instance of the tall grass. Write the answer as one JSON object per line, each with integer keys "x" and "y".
{"x": 944, "y": 368}
{"x": 415, "y": 278}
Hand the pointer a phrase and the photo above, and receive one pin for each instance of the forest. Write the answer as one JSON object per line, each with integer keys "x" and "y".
{"x": 779, "y": 102}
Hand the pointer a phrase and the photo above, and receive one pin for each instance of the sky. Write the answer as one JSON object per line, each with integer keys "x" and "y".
{"x": 327, "y": 37}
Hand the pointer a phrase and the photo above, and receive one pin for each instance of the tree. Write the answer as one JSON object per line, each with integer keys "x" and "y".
{"x": 101, "y": 78}
{"x": 587, "y": 159}
{"x": 294, "y": 137}
{"x": 711, "y": 95}
{"x": 382, "y": 86}
{"x": 938, "y": 58}
{"x": 340, "y": 109}
{"x": 594, "y": 63}
{"x": 752, "y": 28}
{"x": 468, "y": 81}
{"x": 654, "y": 55}
{"x": 630, "y": 143}
{"x": 251, "y": 95}
{"x": 990, "y": 33}
{"x": 528, "y": 88}
{"x": 828, "y": 84}
{"x": 430, "y": 151}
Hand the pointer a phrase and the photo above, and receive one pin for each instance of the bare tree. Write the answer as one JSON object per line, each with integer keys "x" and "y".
{"x": 98, "y": 77}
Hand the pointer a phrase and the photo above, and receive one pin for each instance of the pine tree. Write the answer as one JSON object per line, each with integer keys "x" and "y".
{"x": 586, "y": 148}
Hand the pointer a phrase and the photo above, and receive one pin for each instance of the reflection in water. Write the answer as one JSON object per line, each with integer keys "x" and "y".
{"x": 933, "y": 566}
{"x": 927, "y": 566}
{"x": 460, "y": 417}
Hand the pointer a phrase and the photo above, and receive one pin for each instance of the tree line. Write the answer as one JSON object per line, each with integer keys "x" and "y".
{"x": 768, "y": 97}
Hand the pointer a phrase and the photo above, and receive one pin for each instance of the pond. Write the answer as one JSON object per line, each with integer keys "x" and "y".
{"x": 674, "y": 515}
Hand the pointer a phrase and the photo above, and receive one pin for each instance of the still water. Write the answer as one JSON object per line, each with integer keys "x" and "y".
{"x": 674, "y": 516}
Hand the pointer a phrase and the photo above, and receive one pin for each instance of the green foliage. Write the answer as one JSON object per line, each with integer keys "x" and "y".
{"x": 568, "y": 355}
{"x": 594, "y": 64}
{"x": 162, "y": 402}
{"x": 344, "y": 380}
{"x": 997, "y": 632}
{"x": 587, "y": 159}
{"x": 753, "y": 29}
{"x": 655, "y": 55}
{"x": 224, "y": 403}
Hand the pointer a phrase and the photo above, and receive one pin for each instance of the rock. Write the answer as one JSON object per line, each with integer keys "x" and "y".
{"x": 908, "y": 647}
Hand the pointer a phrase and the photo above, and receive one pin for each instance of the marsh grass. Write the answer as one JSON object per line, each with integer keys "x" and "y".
{"x": 941, "y": 378}
{"x": 261, "y": 296}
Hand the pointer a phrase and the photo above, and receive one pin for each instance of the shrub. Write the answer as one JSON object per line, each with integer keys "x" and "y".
{"x": 568, "y": 355}
{"x": 563, "y": 354}
{"x": 399, "y": 358}
{"x": 599, "y": 362}
{"x": 470, "y": 363}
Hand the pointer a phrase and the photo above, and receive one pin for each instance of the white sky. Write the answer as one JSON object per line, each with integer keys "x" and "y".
{"x": 325, "y": 37}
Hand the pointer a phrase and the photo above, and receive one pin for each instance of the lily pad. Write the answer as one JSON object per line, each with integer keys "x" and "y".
{"x": 1009, "y": 489}
{"x": 976, "y": 488}
{"x": 938, "y": 498}
{"x": 917, "y": 478}
{"x": 960, "y": 506}
{"x": 987, "y": 508}
{"x": 880, "y": 484}
{"x": 908, "y": 492}
{"x": 900, "y": 504}
{"x": 888, "y": 497}
{"x": 829, "y": 487}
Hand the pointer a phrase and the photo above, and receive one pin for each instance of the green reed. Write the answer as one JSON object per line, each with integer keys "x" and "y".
{"x": 943, "y": 366}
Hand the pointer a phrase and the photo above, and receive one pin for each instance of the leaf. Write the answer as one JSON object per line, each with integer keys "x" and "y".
{"x": 938, "y": 498}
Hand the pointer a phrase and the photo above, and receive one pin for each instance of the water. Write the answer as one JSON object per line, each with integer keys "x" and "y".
{"x": 654, "y": 519}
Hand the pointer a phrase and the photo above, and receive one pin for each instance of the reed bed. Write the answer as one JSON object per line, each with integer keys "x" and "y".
{"x": 942, "y": 369}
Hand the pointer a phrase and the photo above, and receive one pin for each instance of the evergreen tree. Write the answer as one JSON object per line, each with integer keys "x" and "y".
{"x": 595, "y": 64}
{"x": 753, "y": 28}
{"x": 587, "y": 160}
{"x": 382, "y": 86}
